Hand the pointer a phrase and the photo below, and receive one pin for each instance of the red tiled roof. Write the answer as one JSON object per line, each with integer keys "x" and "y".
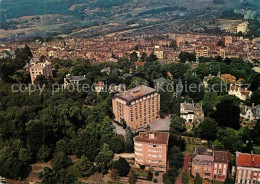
{"x": 242, "y": 90}
{"x": 248, "y": 160}
{"x": 139, "y": 63}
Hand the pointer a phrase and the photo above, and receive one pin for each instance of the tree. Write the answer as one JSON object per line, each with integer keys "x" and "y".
{"x": 185, "y": 177}
{"x": 255, "y": 133}
{"x": 229, "y": 181}
{"x": 156, "y": 173}
{"x": 230, "y": 139}
{"x": 173, "y": 44}
{"x": 144, "y": 56}
{"x": 227, "y": 113}
{"x": 14, "y": 158}
{"x": 184, "y": 56}
{"x": 122, "y": 167}
{"x": 155, "y": 180}
{"x": 209, "y": 102}
{"x": 150, "y": 176}
{"x": 176, "y": 158}
{"x": 133, "y": 57}
{"x": 104, "y": 159}
{"x": 152, "y": 58}
{"x": 84, "y": 167}
{"x": 48, "y": 176}
{"x": 129, "y": 142}
{"x": 218, "y": 145}
{"x": 132, "y": 178}
{"x": 177, "y": 125}
{"x": 117, "y": 144}
{"x": 60, "y": 161}
{"x": 198, "y": 179}
{"x": 255, "y": 97}
{"x": 44, "y": 153}
{"x": 207, "y": 129}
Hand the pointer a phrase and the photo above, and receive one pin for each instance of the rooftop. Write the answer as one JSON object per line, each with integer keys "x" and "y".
{"x": 206, "y": 154}
{"x": 134, "y": 93}
{"x": 247, "y": 160}
{"x": 191, "y": 106}
{"x": 153, "y": 137}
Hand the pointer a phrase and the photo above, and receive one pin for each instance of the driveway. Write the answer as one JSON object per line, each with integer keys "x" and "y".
{"x": 118, "y": 129}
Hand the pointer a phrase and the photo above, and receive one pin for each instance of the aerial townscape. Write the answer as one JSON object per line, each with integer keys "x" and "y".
{"x": 130, "y": 91}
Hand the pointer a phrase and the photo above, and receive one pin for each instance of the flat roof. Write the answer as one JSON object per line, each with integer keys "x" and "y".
{"x": 140, "y": 92}
{"x": 159, "y": 137}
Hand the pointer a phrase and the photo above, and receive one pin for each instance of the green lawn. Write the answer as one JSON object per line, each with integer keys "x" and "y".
{"x": 140, "y": 173}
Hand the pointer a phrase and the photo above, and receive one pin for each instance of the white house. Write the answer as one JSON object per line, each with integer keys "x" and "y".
{"x": 73, "y": 79}
{"x": 191, "y": 112}
{"x": 238, "y": 91}
{"x": 250, "y": 113}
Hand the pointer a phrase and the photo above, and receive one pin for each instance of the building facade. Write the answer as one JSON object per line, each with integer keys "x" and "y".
{"x": 247, "y": 168}
{"x": 238, "y": 91}
{"x": 69, "y": 79}
{"x": 40, "y": 68}
{"x": 191, "y": 112}
{"x": 138, "y": 106}
{"x": 210, "y": 164}
{"x": 151, "y": 150}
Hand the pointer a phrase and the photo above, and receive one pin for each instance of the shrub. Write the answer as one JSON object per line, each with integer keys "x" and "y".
{"x": 156, "y": 173}
{"x": 155, "y": 180}
{"x": 150, "y": 176}
{"x": 142, "y": 167}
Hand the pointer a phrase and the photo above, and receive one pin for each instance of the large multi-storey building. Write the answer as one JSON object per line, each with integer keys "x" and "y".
{"x": 40, "y": 68}
{"x": 151, "y": 150}
{"x": 247, "y": 168}
{"x": 210, "y": 164}
{"x": 138, "y": 106}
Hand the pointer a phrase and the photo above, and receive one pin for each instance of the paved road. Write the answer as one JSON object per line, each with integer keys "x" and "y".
{"x": 119, "y": 130}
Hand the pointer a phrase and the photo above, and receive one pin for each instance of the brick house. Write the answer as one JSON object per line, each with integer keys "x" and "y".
{"x": 210, "y": 164}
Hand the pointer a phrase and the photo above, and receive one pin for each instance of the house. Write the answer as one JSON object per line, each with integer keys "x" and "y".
{"x": 249, "y": 115}
{"x": 40, "y": 68}
{"x": 238, "y": 91}
{"x": 191, "y": 112}
{"x": 69, "y": 79}
{"x": 138, "y": 106}
{"x": 139, "y": 64}
{"x": 209, "y": 164}
{"x": 247, "y": 168}
{"x": 151, "y": 150}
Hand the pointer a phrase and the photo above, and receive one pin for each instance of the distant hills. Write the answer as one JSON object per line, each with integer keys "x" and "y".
{"x": 18, "y": 8}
